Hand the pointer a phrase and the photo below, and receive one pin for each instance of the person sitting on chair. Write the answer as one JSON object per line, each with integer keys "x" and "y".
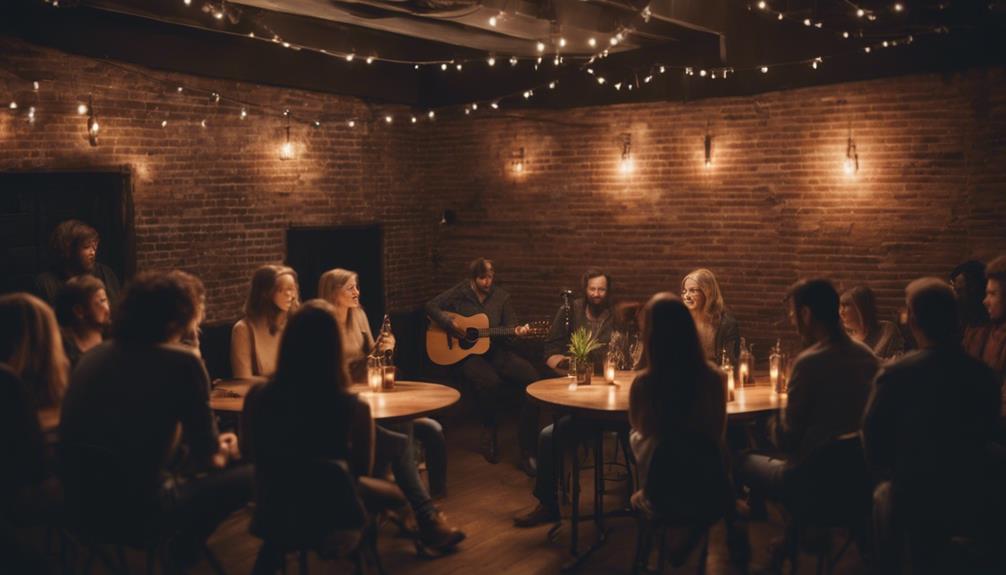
{"x": 83, "y": 314}
{"x": 73, "y": 248}
{"x": 487, "y": 374}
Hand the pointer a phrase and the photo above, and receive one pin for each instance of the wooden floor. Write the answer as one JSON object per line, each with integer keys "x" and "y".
{"x": 482, "y": 500}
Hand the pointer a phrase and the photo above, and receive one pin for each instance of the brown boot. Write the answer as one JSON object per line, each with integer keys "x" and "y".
{"x": 436, "y": 534}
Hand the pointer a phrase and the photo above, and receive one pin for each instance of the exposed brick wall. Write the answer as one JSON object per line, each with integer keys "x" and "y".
{"x": 774, "y": 206}
{"x": 217, "y": 201}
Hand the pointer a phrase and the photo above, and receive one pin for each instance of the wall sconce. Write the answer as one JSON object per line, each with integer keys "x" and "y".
{"x": 626, "y": 165}
{"x": 709, "y": 147}
{"x": 286, "y": 150}
{"x": 851, "y": 164}
{"x": 517, "y": 161}
{"x": 92, "y": 122}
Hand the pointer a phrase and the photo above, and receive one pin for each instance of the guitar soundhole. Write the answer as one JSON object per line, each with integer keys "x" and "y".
{"x": 471, "y": 337}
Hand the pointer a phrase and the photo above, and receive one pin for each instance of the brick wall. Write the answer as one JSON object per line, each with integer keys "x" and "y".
{"x": 774, "y": 206}
{"x": 217, "y": 201}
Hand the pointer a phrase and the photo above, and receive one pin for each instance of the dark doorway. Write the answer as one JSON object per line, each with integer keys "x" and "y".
{"x": 33, "y": 203}
{"x": 313, "y": 251}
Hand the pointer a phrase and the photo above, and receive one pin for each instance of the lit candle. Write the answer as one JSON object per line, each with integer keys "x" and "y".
{"x": 389, "y": 377}
{"x": 773, "y": 376}
{"x": 744, "y": 373}
{"x": 730, "y": 385}
{"x": 609, "y": 373}
{"x": 374, "y": 380}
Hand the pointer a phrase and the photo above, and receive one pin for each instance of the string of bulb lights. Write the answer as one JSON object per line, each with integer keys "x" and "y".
{"x": 244, "y": 109}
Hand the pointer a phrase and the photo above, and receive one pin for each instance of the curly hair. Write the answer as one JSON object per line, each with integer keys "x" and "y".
{"x": 67, "y": 239}
{"x": 155, "y": 307}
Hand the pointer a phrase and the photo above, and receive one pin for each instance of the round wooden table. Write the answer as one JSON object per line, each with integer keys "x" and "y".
{"x": 409, "y": 399}
{"x": 605, "y": 401}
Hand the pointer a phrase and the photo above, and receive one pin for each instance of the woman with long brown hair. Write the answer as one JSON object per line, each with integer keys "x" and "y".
{"x": 858, "y": 309}
{"x": 255, "y": 338}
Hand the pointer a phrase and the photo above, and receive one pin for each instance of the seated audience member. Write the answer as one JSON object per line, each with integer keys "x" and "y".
{"x": 73, "y": 249}
{"x": 680, "y": 391}
{"x": 340, "y": 287}
{"x": 718, "y": 330}
{"x": 303, "y": 415}
{"x": 858, "y": 310}
{"x": 273, "y": 294}
{"x": 592, "y": 311}
{"x": 968, "y": 281}
{"x": 988, "y": 343}
{"x": 33, "y": 373}
{"x": 941, "y": 405}
{"x": 828, "y": 388}
{"x": 133, "y": 402}
{"x": 83, "y": 314}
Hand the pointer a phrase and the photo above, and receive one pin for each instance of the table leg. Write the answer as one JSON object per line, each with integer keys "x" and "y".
{"x": 599, "y": 483}
{"x": 575, "y": 514}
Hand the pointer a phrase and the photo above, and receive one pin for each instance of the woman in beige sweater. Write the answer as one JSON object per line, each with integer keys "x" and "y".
{"x": 255, "y": 338}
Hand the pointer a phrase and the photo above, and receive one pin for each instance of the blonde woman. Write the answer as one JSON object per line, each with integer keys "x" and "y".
{"x": 341, "y": 288}
{"x": 32, "y": 347}
{"x": 717, "y": 328}
{"x": 273, "y": 294}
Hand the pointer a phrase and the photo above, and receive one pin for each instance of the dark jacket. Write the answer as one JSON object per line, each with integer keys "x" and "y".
{"x": 47, "y": 284}
{"x": 461, "y": 299}
{"x": 557, "y": 342}
{"x": 926, "y": 426}
{"x": 728, "y": 337}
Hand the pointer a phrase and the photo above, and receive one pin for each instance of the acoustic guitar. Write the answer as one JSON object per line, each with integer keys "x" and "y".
{"x": 444, "y": 348}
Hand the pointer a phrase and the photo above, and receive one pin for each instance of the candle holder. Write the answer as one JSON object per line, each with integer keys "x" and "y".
{"x": 388, "y": 381}
{"x": 610, "y": 363}
{"x": 375, "y": 374}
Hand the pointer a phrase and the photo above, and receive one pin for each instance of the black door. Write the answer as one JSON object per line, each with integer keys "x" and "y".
{"x": 313, "y": 251}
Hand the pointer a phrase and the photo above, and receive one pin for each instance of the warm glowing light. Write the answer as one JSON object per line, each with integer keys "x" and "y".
{"x": 81, "y": 108}
{"x": 34, "y": 86}
{"x": 370, "y": 59}
{"x": 351, "y": 123}
{"x": 762, "y": 5}
{"x": 513, "y": 60}
{"x": 286, "y": 151}
{"x": 31, "y": 114}
{"x": 702, "y": 73}
{"x": 495, "y": 106}
{"x": 860, "y": 13}
{"x": 202, "y": 124}
{"x": 626, "y": 166}
{"x": 845, "y": 35}
{"x": 187, "y": 2}
{"x": 780, "y": 16}
{"x": 764, "y": 69}
{"x": 848, "y": 167}
{"x": 492, "y": 21}
{"x": 388, "y": 119}
{"x": 349, "y": 57}
{"x": 164, "y": 123}
{"x": 806, "y": 22}
{"x": 431, "y": 114}
{"x": 562, "y": 42}
{"x": 458, "y": 66}
{"x": 540, "y": 46}
{"x": 867, "y": 49}
{"x": 475, "y": 106}
{"x": 443, "y": 66}
{"x": 244, "y": 113}
{"x": 592, "y": 42}
{"x": 551, "y": 85}
{"x": 898, "y": 7}
{"x": 600, "y": 80}
{"x": 491, "y": 61}
{"x": 613, "y": 41}
{"x": 219, "y": 15}
{"x": 414, "y": 119}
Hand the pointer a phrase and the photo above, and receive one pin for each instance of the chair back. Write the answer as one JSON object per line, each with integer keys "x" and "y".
{"x": 688, "y": 481}
{"x": 832, "y": 486}
{"x": 325, "y": 501}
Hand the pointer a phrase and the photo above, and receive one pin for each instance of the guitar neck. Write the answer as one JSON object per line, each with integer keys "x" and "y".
{"x": 496, "y": 332}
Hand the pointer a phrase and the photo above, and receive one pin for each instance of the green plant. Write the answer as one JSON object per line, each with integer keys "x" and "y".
{"x": 582, "y": 343}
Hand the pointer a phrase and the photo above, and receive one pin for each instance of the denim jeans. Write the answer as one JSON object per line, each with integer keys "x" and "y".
{"x": 398, "y": 451}
{"x": 430, "y": 434}
{"x": 570, "y": 432}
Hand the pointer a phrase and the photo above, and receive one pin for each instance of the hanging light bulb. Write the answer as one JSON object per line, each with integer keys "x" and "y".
{"x": 388, "y": 119}
{"x": 540, "y": 46}
{"x": 762, "y": 5}
{"x": 626, "y": 165}
{"x": 92, "y": 123}
{"x": 286, "y": 149}
{"x": 81, "y": 108}
{"x": 370, "y": 59}
{"x": 414, "y": 119}
{"x": 592, "y": 42}
{"x": 244, "y": 113}
{"x": 764, "y": 69}
{"x": 351, "y": 123}
{"x": 491, "y": 61}
{"x": 513, "y": 60}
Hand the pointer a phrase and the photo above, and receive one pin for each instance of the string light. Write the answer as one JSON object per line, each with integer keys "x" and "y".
{"x": 244, "y": 113}
{"x": 388, "y": 119}
{"x": 431, "y": 114}
{"x": 164, "y": 123}
{"x": 764, "y": 69}
{"x": 414, "y": 119}
{"x": 31, "y": 114}
{"x": 350, "y": 56}
{"x": 513, "y": 60}
{"x": 203, "y": 124}
{"x": 34, "y": 86}
{"x": 762, "y": 5}
{"x": 491, "y": 61}
{"x": 898, "y": 7}
{"x": 540, "y": 46}
{"x": 592, "y": 42}
{"x": 81, "y": 109}
{"x": 351, "y": 123}
{"x": 370, "y": 59}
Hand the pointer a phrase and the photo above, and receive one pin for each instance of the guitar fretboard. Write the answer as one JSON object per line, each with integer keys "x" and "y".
{"x": 496, "y": 331}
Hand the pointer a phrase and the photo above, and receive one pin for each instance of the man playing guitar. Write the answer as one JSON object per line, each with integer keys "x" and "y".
{"x": 488, "y": 373}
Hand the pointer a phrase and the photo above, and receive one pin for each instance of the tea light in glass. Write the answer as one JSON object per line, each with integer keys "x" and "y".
{"x": 609, "y": 369}
{"x": 389, "y": 378}
{"x": 375, "y": 374}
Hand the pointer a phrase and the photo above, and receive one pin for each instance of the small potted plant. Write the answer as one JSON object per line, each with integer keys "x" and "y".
{"x": 581, "y": 344}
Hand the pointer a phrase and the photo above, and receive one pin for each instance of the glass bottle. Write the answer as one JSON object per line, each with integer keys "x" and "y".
{"x": 744, "y": 361}
{"x": 775, "y": 367}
